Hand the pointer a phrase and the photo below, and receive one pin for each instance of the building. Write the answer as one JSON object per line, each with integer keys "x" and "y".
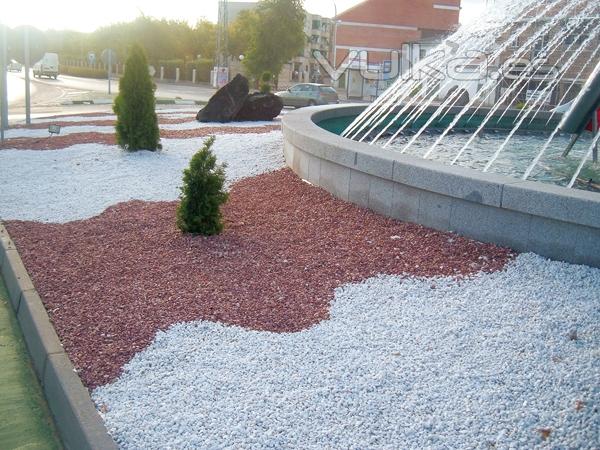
{"x": 544, "y": 63}
{"x": 304, "y": 67}
{"x": 235, "y": 8}
{"x": 380, "y": 27}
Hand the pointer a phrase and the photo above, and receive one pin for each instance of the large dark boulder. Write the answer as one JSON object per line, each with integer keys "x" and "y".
{"x": 227, "y": 102}
{"x": 260, "y": 107}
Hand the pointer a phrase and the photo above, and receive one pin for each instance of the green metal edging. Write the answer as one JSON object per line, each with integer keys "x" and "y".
{"x": 79, "y": 424}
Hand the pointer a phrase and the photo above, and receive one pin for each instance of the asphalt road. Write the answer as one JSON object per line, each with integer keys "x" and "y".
{"x": 49, "y": 96}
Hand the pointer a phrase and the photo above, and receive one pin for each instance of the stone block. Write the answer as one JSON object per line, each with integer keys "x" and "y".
{"x": 490, "y": 224}
{"x": 375, "y": 162}
{"x": 314, "y": 170}
{"x": 554, "y": 202}
{"x": 450, "y": 181}
{"x": 587, "y": 247}
{"x": 552, "y": 238}
{"x": 335, "y": 179}
{"x": 359, "y": 188}
{"x": 381, "y": 193}
{"x": 39, "y": 334}
{"x": 405, "y": 203}
{"x": 435, "y": 210}
{"x": 76, "y": 418}
{"x": 15, "y": 277}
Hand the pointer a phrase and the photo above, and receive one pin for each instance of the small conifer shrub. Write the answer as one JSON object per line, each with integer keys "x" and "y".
{"x": 202, "y": 194}
{"x": 137, "y": 124}
{"x": 265, "y": 82}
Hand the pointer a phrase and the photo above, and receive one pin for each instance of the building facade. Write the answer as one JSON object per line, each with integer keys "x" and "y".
{"x": 380, "y": 27}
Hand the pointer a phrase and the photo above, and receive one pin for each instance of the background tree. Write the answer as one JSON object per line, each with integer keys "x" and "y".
{"x": 242, "y": 32}
{"x": 137, "y": 124}
{"x": 276, "y": 37}
{"x": 202, "y": 194}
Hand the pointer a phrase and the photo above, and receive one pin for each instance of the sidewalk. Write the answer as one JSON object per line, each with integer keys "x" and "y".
{"x": 25, "y": 420}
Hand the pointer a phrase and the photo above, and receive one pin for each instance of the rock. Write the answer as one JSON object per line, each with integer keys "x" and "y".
{"x": 227, "y": 102}
{"x": 260, "y": 107}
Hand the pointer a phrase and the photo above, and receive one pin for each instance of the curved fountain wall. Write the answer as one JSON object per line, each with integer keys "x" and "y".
{"x": 556, "y": 222}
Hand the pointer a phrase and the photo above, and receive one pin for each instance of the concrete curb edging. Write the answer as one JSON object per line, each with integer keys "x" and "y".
{"x": 79, "y": 424}
{"x": 552, "y": 221}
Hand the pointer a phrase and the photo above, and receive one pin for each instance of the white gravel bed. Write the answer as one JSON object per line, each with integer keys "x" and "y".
{"x": 196, "y": 125}
{"x": 43, "y": 133}
{"x": 83, "y": 180}
{"x": 402, "y": 363}
{"x": 73, "y": 118}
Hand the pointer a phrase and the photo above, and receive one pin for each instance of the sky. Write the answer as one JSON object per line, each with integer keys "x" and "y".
{"x": 84, "y": 15}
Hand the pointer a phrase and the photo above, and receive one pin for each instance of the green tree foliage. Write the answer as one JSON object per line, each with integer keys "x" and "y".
{"x": 137, "y": 124}
{"x": 202, "y": 194}
{"x": 161, "y": 39}
{"x": 241, "y": 32}
{"x": 275, "y": 36}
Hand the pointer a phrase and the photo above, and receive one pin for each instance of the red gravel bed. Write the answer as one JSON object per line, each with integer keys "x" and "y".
{"x": 45, "y": 125}
{"x": 68, "y": 140}
{"x": 99, "y": 123}
{"x": 58, "y": 142}
{"x": 110, "y": 282}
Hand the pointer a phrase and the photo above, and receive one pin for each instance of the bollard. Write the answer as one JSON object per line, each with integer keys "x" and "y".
{"x": 194, "y": 76}
{"x": 162, "y": 73}
{"x": 177, "y": 75}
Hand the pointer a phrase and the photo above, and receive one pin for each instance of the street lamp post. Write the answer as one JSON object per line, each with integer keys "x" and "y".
{"x": 3, "y": 83}
{"x": 335, "y": 22}
{"x": 27, "y": 61}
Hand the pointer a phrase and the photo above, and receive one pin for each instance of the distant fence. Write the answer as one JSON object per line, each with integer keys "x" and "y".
{"x": 197, "y": 71}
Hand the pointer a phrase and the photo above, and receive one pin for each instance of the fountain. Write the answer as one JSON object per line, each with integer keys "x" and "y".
{"x": 488, "y": 166}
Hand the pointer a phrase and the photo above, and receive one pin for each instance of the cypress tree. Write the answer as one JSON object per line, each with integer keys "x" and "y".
{"x": 137, "y": 124}
{"x": 202, "y": 194}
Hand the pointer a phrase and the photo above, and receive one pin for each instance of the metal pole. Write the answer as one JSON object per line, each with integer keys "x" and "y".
{"x": 27, "y": 80}
{"x": 595, "y": 130}
{"x": 335, "y": 22}
{"x": 3, "y": 84}
{"x": 109, "y": 67}
{"x": 574, "y": 138}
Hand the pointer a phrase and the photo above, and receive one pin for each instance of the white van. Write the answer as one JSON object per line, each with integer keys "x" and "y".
{"x": 47, "y": 66}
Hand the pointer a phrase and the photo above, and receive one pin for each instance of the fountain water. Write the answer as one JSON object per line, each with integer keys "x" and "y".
{"x": 541, "y": 53}
{"x": 408, "y": 154}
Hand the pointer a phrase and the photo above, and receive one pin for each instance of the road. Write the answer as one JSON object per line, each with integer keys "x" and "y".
{"x": 52, "y": 96}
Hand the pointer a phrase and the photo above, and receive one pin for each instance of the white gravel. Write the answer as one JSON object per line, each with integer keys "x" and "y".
{"x": 194, "y": 125}
{"x": 43, "y": 133}
{"x": 74, "y": 118}
{"x": 81, "y": 181}
{"x": 72, "y": 129}
{"x": 402, "y": 363}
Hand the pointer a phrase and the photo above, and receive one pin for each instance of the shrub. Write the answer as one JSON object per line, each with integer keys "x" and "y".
{"x": 202, "y": 194}
{"x": 265, "y": 80}
{"x": 137, "y": 124}
{"x": 83, "y": 72}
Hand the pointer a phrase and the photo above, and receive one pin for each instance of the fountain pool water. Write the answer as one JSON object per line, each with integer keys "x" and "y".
{"x": 514, "y": 161}
{"x": 557, "y": 46}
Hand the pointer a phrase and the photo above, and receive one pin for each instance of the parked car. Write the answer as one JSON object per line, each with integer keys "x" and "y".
{"x": 14, "y": 66}
{"x": 308, "y": 94}
{"x": 47, "y": 66}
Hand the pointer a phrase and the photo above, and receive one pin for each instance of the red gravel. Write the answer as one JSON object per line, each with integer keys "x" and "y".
{"x": 99, "y": 123}
{"x": 67, "y": 140}
{"x": 110, "y": 282}
{"x": 45, "y": 125}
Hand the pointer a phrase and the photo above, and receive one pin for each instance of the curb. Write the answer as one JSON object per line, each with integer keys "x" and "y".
{"x": 79, "y": 424}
